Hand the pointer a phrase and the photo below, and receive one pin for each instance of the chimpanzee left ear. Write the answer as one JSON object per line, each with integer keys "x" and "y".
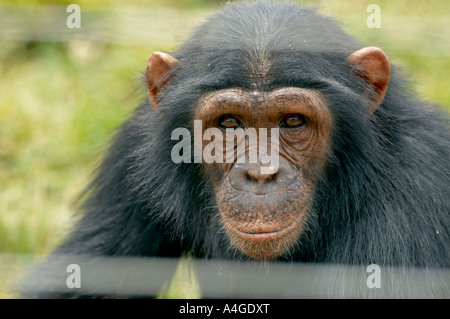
{"x": 372, "y": 65}
{"x": 158, "y": 74}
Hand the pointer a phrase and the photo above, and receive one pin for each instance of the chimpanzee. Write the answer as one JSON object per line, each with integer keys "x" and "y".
{"x": 362, "y": 174}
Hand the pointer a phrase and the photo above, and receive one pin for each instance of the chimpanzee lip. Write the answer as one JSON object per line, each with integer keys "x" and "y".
{"x": 263, "y": 235}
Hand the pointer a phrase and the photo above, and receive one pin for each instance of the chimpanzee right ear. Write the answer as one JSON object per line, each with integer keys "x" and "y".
{"x": 158, "y": 74}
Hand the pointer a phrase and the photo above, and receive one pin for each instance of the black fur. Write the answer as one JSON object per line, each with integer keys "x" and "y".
{"x": 384, "y": 197}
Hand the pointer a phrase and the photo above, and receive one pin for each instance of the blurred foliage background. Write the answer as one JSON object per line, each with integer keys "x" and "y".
{"x": 64, "y": 91}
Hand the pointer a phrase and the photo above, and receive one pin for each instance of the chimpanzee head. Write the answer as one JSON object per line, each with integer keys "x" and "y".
{"x": 285, "y": 82}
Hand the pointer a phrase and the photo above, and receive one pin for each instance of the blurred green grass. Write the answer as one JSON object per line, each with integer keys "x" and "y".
{"x": 60, "y": 103}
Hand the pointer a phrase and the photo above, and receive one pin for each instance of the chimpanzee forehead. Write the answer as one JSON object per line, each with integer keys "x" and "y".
{"x": 275, "y": 102}
{"x": 256, "y": 98}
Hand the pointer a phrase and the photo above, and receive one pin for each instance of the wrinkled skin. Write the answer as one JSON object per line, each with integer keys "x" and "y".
{"x": 264, "y": 214}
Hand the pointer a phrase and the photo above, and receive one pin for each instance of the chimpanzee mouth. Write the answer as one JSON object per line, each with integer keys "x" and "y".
{"x": 264, "y": 227}
{"x": 265, "y": 235}
{"x": 263, "y": 243}
{"x": 262, "y": 216}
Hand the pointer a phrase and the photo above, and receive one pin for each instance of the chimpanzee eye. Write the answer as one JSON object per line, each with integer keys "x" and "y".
{"x": 293, "y": 121}
{"x": 229, "y": 121}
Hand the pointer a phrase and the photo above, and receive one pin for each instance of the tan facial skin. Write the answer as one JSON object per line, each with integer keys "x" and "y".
{"x": 264, "y": 226}
{"x": 265, "y": 220}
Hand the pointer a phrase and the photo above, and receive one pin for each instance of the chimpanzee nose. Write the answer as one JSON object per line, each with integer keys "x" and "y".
{"x": 254, "y": 174}
{"x": 260, "y": 179}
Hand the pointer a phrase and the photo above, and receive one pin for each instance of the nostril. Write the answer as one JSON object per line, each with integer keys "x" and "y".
{"x": 250, "y": 178}
{"x": 271, "y": 178}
